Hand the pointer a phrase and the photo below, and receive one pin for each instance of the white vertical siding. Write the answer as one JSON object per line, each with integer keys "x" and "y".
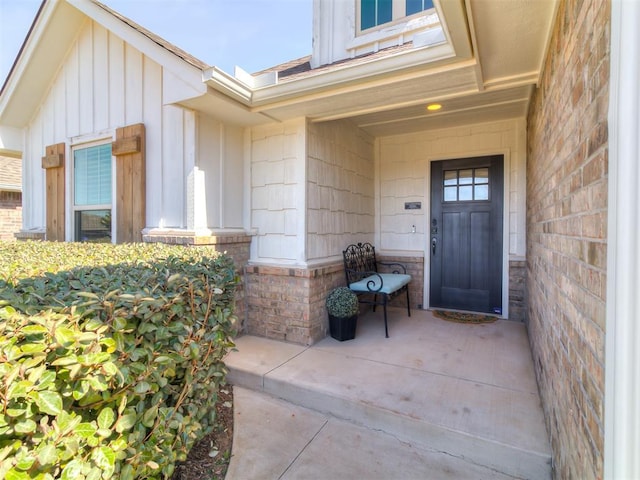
{"x": 133, "y": 85}
{"x": 221, "y": 159}
{"x": 33, "y": 212}
{"x": 100, "y": 78}
{"x": 70, "y": 76}
{"x": 232, "y": 179}
{"x": 86, "y": 91}
{"x": 152, "y": 108}
{"x": 115, "y": 75}
{"x": 173, "y": 180}
{"x": 209, "y": 162}
{"x": 105, "y": 83}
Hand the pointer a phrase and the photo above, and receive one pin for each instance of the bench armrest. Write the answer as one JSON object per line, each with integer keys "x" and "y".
{"x": 401, "y": 267}
{"x": 357, "y": 275}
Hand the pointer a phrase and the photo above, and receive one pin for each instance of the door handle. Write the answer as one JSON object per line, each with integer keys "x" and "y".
{"x": 433, "y": 245}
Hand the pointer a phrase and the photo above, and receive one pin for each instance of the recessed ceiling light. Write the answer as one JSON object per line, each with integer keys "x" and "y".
{"x": 432, "y": 107}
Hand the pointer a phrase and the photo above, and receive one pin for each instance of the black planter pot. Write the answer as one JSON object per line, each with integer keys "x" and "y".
{"x": 343, "y": 328}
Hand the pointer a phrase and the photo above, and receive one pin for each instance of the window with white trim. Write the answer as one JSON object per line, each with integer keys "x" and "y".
{"x": 374, "y": 13}
{"x": 92, "y": 193}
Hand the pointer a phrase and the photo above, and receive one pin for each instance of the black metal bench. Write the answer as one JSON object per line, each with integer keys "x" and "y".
{"x": 363, "y": 278}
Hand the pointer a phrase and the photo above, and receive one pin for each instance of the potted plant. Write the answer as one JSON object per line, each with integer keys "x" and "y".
{"x": 342, "y": 307}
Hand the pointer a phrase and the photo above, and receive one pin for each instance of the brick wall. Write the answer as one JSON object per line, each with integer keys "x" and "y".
{"x": 566, "y": 241}
{"x": 288, "y": 303}
{"x": 517, "y": 290}
{"x": 415, "y": 268}
{"x": 10, "y": 214}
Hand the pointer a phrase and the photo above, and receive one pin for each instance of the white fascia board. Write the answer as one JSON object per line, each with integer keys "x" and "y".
{"x": 144, "y": 44}
{"x": 221, "y": 81}
{"x": 259, "y": 97}
{"x": 391, "y": 67}
{"x": 30, "y": 44}
{"x": 11, "y": 142}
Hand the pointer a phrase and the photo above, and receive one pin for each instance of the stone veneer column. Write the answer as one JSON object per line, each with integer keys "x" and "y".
{"x": 30, "y": 235}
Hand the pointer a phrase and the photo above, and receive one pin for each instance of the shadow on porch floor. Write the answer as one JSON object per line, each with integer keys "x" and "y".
{"x": 435, "y": 400}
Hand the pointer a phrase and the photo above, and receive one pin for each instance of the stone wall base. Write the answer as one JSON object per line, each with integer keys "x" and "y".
{"x": 30, "y": 235}
{"x": 288, "y": 303}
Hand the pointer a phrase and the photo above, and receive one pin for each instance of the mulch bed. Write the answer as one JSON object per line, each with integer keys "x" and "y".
{"x": 209, "y": 458}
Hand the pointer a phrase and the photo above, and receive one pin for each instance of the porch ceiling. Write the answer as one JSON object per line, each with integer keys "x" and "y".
{"x": 508, "y": 40}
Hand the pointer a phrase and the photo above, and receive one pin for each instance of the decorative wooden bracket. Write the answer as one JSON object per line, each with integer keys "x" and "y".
{"x": 126, "y": 146}
{"x": 53, "y": 161}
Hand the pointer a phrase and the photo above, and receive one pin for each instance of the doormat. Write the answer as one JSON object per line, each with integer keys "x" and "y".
{"x": 462, "y": 317}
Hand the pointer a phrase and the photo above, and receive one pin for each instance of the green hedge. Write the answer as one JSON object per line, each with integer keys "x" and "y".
{"x": 110, "y": 356}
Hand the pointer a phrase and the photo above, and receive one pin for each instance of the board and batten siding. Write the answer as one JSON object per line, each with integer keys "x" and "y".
{"x": 221, "y": 163}
{"x": 103, "y": 84}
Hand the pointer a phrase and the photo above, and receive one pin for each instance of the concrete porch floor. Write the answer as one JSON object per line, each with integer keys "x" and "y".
{"x": 435, "y": 400}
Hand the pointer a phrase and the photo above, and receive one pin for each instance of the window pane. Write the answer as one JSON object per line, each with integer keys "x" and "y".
{"x": 482, "y": 175}
{"x": 466, "y": 193}
{"x": 93, "y": 226}
{"x": 92, "y": 175}
{"x": 451, "y": 177}
{"x": 367, "y": 14}
{"x": 385, "y": 11}
{"x": 450, "y": 194}
{"x": 466, "y": 177}
{"x": 481, "y": 192}
{"x": 415, "y": 6}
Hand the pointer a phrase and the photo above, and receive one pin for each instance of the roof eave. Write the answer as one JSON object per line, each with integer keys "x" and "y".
{"x": 47, "y": 43}
{"x": 295, "y": 90}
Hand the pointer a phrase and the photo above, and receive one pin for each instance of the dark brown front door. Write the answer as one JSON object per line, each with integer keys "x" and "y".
{"x": 465, "y": 242}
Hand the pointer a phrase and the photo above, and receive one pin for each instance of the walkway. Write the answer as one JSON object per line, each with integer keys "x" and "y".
{"x": 435, "y": 400}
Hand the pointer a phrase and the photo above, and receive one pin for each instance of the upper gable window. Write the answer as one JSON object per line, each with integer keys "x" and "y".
{"x": 378, "y": 12}
{"x": 417, "y": 6}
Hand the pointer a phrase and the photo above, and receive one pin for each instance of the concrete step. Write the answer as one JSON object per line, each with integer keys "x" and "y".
{"x": 277, "y": 439}
{"x": 493, "y": 424}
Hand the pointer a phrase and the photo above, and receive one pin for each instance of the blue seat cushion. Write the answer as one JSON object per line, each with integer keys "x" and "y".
{"x": 391, "y": 282}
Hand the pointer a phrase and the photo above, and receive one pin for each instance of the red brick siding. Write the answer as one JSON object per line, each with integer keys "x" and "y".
{"x": 567, "y": 238}
{"x": 10, "y": 215}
